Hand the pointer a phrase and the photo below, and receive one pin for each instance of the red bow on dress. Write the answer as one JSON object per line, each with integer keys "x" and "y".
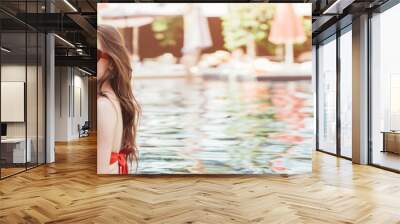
{"x": 122, "y": 164}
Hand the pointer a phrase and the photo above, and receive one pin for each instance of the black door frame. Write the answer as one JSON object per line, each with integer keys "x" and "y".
{"x": 332, "y": 34}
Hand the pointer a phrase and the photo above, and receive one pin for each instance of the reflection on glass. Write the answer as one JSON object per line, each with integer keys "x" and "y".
{"x": 346, "y": 94}
{"x": 327, "y": 96}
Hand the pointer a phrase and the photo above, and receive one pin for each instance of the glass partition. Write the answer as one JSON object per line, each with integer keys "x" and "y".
{"x": 346, "y": 93}
{"x": 14, "y": 153}
{"x": 327, "y": 96}
{"x": 31, "y": 99}
{"x": 35, "y": 89}
{"x": 22, "y": 77}
{"x": 385, "y": 89}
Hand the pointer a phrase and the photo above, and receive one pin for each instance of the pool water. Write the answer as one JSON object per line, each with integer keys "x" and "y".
{"x": 224, "y": 127}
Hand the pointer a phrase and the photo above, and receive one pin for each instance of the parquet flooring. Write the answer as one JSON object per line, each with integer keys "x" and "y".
{"x": 10, "y": 171}
{"x": 70, "y": 191}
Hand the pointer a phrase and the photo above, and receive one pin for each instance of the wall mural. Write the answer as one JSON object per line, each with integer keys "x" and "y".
{"x": 200, "y": 88}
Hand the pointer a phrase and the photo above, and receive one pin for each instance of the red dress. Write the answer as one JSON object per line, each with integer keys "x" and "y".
{"x": 120, "y": 157}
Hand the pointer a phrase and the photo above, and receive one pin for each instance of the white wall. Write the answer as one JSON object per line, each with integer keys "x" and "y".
{"x": 12, "y": 73}
{"x": 70, "y": 83}
{"x": 62, "y": 82}
{"x": 80, "y": 100}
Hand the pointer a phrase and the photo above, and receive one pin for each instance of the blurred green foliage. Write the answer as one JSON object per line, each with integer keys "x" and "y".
{"x": 246, "y": 23}
{"x": 242, "y": 24}
{"x": 167, "y": 30}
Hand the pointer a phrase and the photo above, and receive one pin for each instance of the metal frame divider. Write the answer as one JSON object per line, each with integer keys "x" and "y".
{"x": 0, "y": 95}
{"x": 317, "y": 98}
{"x": 338, "y": 153}
{"x": 26, "y": 87}
{"x": 369, "y": 77}
{"x": 338, "y": 74}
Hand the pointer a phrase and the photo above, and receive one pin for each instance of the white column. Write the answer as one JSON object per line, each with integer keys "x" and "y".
{"x": 360, "y": 90}
{"x": 50, "y": 99}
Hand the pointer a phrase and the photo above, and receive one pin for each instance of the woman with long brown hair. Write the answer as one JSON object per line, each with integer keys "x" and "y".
{"x": 118, "y": 110}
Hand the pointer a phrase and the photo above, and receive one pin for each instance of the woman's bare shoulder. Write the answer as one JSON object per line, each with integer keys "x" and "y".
{"x": 106, "y": 108}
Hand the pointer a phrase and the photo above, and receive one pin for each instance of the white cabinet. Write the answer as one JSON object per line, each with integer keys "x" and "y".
{"x": 17, "y": 146}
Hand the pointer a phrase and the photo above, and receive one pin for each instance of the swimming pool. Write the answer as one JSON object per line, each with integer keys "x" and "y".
{"x": 224, "y": 127}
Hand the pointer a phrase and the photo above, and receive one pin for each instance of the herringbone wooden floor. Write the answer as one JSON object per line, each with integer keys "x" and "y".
{"x": 69, "y": 191}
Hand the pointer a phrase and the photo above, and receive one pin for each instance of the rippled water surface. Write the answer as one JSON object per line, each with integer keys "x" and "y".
{"x": 221, "y": 127}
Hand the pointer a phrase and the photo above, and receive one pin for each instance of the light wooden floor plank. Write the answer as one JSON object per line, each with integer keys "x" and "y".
{"x": 70, "y": 191}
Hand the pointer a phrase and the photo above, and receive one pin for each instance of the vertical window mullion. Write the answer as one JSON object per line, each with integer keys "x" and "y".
{"x": 37, "y": 89}
{"x": 338, "y": 80}
{"x": 26, "y": 86}
{"x": 317, "y": 97}
{"x": 0, "y": 95}
{"x": 369, "y": 77}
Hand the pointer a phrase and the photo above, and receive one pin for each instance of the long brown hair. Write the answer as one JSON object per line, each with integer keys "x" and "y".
{"x": 119, "y": 75}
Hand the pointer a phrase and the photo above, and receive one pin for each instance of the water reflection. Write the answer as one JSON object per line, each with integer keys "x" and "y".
{"x": 216, "y": 127}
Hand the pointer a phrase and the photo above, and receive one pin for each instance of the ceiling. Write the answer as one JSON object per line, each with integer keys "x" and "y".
{"x": 74, "y": 22}
{"x": 329, "y": 15}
